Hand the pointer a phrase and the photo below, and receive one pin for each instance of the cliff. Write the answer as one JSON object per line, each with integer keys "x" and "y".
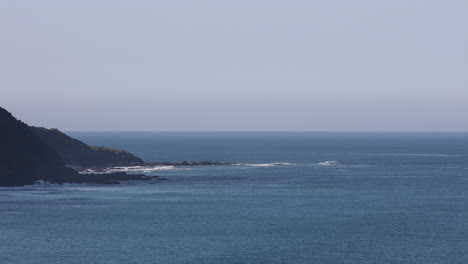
{"x": 29, "y": 154}
{"x": 24, "y": 158}
{"x": 76, "y": 153}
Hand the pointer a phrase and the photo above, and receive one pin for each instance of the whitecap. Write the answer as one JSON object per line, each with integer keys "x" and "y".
{"x": 259, "y": 165}
{"x": 266, "y": 164}
{"x": 328, "y": 163}
{"x": 146, "y": 169}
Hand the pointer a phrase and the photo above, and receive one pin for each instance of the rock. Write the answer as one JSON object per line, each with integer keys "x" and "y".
{"x": 30, "y": 154}
{"x": 24, "y": 158}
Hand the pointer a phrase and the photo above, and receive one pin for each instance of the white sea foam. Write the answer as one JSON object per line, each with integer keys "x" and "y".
{"x": 329, "y": 163}
{"x": 139, "y": 169}
{"x": 334, "y": 163}
{"x": 42, "y": 182}
{"x": 259, "y": 165}
{"x": 146, "y": 169}
{"x": 88, "y": 171}
{"x": 267, "y": 164}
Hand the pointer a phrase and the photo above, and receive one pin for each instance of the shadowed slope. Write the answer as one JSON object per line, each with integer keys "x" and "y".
{"x": 24, "y": 158}
{"x": 77, "y": 153}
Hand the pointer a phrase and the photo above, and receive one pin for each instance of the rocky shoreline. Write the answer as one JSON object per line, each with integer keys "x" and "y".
{"x": 29, "y": 154}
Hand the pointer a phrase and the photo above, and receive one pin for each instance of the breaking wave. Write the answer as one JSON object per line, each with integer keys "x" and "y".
{"x": 144, "y": 169}
{"x": 336, "y": 164}
{"x": 329, "y": 163}
{"x": 274, "y": 164}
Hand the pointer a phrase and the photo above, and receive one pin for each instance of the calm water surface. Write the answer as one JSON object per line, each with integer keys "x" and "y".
{"x": 295, "y": 198}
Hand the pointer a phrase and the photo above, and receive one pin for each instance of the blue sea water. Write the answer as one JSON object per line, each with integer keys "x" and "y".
{"x": 294, "y": 198}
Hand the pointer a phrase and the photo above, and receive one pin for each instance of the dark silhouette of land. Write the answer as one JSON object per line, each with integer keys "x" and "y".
{"x": 29, "y": 154}
{"x": 26, "y": 158}
{"x": 76, "y": 153}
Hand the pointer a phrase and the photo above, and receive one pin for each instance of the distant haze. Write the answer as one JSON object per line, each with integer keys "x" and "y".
{"x": 399, "y": 65}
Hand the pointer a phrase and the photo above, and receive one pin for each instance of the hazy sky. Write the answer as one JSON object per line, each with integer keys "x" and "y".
{"x": 236, "y": 65}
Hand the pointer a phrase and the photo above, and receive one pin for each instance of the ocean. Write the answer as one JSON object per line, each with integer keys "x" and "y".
{"x": 292, "y": 197}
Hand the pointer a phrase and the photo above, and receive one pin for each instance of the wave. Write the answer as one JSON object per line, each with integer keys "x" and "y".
{"x": 334, "y": 163}
{"x": 274, "y": 164}
{"x": 328, "y": 163}
{"x": 144, "y": 169}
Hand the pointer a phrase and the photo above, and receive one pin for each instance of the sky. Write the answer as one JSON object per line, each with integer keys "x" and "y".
{"x": 241, "y": 65}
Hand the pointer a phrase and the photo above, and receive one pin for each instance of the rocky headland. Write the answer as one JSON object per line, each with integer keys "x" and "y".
{"x": 24, "y": 157}
{"x": 78, "y": 154}
{"x": 29, "y": 154}
{"x": 82, "y": 156}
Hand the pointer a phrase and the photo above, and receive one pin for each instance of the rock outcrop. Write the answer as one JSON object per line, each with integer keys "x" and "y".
{"x": 76, "y": 153}
{"x": 24, "y": 158}
{"x": 29, "y": 154}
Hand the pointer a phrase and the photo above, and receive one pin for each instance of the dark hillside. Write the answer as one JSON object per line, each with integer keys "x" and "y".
{"x": 24, "y": 158}
{"x": 76, "y": 153}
